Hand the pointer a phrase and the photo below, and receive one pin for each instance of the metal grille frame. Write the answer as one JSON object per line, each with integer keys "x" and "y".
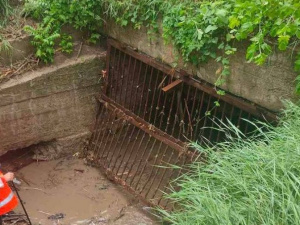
{"x": 148, "y": 114}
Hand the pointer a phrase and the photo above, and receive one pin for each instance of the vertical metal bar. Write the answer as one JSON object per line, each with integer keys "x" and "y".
{"x": 149, "y": 90}
{"x": 95, "y": 134}
{"x": 170, "y": 113}
{"x": 116, "y": 75}
{"x": 130, "y": 153}
{"x": 154, "y": 167}
{"x": 182, "y": 122}
{"x": 120, "y": 148}
{"x": 231, "y": 113}
{"x": 127, "y": 83}
{"x": 163, "y": 175}
{"x": 176, "y": 118}
{"x": 172, "y": 171}
{"x": 110, "y": 116}
{"x": 222, "y": 119}
{"x": 111, "y": 75}
{"x": 158, "y": 103}
{"x": 192, "y": 114}
{"x": 114, "y": 148}
{"x": 194, "y": 102}
{"x": 106, "y": 78}
{"x": 137, "y": 153}
{"x": 140, "y": 162}
{"x": 153, "y": 96}
{"x": 198, "y": 117}
{"x": 212, "y": 126}
{"x": 121, "y": 77}
{"x": 132, "y": 82}
{"x": 142, "y": 92}
{"x": 205, "y": 119}
{"x": 162, "y": 113}
{"x": 148, "y": 156}
{"x": 128, "y": 141}
{"x": 247, "y": 124}
{"x": 239, "y": 120}
{"x": 137, "y": 87}
{"x": 101, "y": 133}
{"x": 109, "y": 148}
{"x": 172, "y": 174}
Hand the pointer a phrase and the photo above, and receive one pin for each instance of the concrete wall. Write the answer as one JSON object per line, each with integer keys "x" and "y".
{"x": 51, "y": 103}
{"x": 264, "y": 85}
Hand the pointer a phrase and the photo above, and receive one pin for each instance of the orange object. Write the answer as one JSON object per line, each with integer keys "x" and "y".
{"x": 8, "y": 201}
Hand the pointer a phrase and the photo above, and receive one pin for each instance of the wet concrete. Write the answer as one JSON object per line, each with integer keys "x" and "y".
{"x": 81, "y": 193}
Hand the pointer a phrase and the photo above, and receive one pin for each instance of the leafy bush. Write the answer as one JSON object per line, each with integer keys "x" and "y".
{"x": 201, "y": 30}
{"x": 252, "y": 181}
{"x": 54, "y": 14}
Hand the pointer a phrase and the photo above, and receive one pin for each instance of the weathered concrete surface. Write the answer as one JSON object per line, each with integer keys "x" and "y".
{"x": 19, "y": 49}
{"x": 51, "y": 103}
{"x": 265, "y": 85}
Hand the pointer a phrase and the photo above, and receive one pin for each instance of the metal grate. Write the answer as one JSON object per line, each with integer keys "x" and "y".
{"x": 149, "y": 112}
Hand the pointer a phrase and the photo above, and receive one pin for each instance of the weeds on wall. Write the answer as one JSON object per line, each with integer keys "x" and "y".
{"x": 200, "y": 30}
{"x": 250, "y": 181}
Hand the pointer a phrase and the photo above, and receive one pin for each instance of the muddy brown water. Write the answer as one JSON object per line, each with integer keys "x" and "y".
{"x": 80, "y": 192}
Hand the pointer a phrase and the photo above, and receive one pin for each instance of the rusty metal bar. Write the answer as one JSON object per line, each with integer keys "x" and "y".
{"x": 170, "y": 87}
{"x": 136, "y": 88}
{"x": 124, "y": 138}
{"x": 202, "y": 85}
{"x": 121, "y": 112}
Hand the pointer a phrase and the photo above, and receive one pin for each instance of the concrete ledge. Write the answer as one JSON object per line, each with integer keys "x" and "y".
{"x": 264, "y": 85}
{"x": 51, "y": 103}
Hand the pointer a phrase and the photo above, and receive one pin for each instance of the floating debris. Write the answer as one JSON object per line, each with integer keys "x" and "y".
{"x": 56, "y": 216}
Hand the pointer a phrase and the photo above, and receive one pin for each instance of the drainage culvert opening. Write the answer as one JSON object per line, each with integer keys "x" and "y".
{"x": 148, "y": 115}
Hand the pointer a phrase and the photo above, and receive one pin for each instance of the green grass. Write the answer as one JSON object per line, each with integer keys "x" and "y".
{"x": 5, "y": 11}
{"x": 252, "y": 181}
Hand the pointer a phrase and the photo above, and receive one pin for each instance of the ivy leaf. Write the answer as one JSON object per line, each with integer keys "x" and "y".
{"x": 297, "y": 64}
{"x": 221, "y": 92}
{"x": 210, "y": 28}
{"x": 260, "y": 59}
{"x": 233, "y": 22}
{"x": 200, "y": 34}
{"x": 283, "y": 41}
{"x": 124, "y": 23}
{"x": 207, "y": 113}
{"x": 217, "y": 103}
{"x": 298, "y": 84}
{"x": 221, "y": 13}
{"x": 229, "y": 37}
{"x": 38, "y": 53}
{"x": 298, "y": 34}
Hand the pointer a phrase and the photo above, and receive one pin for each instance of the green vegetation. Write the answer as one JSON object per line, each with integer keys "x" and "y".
{"x": 5, "y": 11}
{"x": 201, "y": 30}
{"x": 245, "y": 181}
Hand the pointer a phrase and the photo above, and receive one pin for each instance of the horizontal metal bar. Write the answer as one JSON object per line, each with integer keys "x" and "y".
{"x": 127, "y": 115}
{"x": 111, "y": 176}
{"x": 200, "y": 84}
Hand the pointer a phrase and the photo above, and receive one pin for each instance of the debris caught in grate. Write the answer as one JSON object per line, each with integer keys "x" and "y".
{"x": 149, "y": 113}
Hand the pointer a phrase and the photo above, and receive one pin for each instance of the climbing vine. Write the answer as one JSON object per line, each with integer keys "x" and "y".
{"x": 200, "y": 30}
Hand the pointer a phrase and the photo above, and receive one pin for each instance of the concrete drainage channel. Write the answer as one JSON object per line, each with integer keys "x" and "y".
{"x": 133, "y": 127}
{"x": 46, "y": 118}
